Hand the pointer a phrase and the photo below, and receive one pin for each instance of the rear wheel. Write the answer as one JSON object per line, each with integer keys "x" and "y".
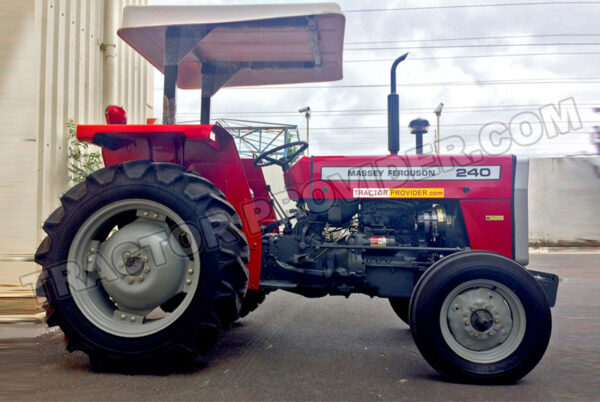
{"x": 143, "y": 264}
{"x": 480, "y": 317}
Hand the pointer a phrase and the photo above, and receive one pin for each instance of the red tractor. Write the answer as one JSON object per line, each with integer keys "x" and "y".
{"x": 149, "y": 258}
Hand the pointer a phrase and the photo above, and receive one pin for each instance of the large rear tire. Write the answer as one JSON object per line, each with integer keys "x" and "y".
{"x": 480, "y": 317}
{"x": 129, "y": 240}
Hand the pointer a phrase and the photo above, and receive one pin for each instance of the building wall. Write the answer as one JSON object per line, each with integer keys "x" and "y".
{"x": 51, "y": 73}
{"x": 563, "y": 201}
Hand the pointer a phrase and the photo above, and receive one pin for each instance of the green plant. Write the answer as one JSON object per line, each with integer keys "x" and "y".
{"x": 83, "y": 159}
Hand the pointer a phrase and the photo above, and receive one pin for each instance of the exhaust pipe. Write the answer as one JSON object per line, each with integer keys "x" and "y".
{"x": 394, "y": 111}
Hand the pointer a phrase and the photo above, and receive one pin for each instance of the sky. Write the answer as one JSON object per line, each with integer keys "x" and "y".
{"x": 521, "y": 60}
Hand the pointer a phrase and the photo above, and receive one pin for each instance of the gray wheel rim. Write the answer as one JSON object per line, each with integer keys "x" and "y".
{"x": 465, "y": 321}
{"x": 118, "y": 283}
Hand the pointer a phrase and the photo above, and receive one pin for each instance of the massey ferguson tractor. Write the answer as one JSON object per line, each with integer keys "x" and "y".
{"x": 177, "y": 237}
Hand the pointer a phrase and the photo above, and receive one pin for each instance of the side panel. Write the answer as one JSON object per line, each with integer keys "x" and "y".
{"x": 489, "y": 225}
{"x": 208, "y": 150}
{"x": 483, "y": 185}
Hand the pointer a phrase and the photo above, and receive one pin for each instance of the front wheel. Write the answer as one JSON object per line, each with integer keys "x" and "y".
{"x": 480, "y": 317}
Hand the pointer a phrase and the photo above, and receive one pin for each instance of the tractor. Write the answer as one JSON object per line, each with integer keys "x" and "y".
{"x": 149, "y": 258}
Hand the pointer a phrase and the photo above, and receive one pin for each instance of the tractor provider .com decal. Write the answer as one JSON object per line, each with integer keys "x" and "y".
{"x": 406, "y": 173}
{"x": 398, "y": 192}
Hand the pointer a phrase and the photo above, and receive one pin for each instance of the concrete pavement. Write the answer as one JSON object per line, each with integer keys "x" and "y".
{"x": 294, "y": 348}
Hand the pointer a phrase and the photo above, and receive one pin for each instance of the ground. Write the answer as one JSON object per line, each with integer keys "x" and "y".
{"x": 294, "y": 348}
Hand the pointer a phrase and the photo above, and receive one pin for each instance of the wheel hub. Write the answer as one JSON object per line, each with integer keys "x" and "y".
{"x": 479, "y": 318}
{"x": 149, "y": 263}
{"x": 134, "y": 266}
{"x": 482, "y": 320}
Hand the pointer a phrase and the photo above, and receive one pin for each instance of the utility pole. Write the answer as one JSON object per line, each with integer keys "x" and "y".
{"x": 438, "y": 112}
{"x": 306, "y": 111}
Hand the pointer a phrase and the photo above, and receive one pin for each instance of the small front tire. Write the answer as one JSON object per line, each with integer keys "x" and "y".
{"x": 480, "y": 317}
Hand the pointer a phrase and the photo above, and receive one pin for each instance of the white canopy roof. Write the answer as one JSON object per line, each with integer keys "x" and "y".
{"x": 282, "y": 43}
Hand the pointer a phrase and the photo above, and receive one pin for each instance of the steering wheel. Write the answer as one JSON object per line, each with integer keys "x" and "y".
{"x": 265, "y": 159}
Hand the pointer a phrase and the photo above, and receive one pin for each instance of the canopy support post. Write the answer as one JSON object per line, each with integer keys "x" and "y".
{"x": 205, "y": 110}
{"x": 214, "y": 76}
{"x": 179, "y": 41}
{"x": 170, "y": 84}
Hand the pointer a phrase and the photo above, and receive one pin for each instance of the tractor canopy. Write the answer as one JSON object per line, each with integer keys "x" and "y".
{"x": 239, "y": 45}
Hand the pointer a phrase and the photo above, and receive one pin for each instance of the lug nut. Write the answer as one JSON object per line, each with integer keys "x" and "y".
{"x": 497, "y": 320}
{"x": 146, "y": 269}
{"x": 90, "y": 259}
{"x": 137, "y": 253}
{"x": 126, "y": 255}
{"x": 467, "y": 322}
{"x": 92, "y": 250}
{"x": 155, "y": 216}
{"x": 188, "y": 281}
{"x": 130, "y": 281}
{"x": 476, "y": 333}
{"x": 488, "y": 308}
{"x": 121, "y": 264}
{"x": 145, "y": 259}
{"x": 141, "y": 278}
{"x": 132, "y": 319}
{"x": 190, "y": 271}
{"x": 145, "y": 213}
{"x": 492, "y": 333}
{"x": 122, "y": 274}
{"x": 123, "y": 316}
{"x": 473, "y": 309}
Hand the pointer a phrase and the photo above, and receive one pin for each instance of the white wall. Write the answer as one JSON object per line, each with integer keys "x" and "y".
{"x": 564, "y": 201}
{"x": 51, "y": 73}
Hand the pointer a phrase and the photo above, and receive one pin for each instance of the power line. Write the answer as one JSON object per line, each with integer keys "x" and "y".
{"x": 479, "y": 56}
{"x": 441, "y": 125}
{"x": 474, "y": 38}
{"x": 546, "y": 3}
{"x": 581, "y": 80}
{"x": 475, "y": 46}
{"x": 469, "y": 136}
{"x": 447, "y": 109}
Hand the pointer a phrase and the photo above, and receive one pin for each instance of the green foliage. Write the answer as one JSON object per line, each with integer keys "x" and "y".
{"x": 293, "y": 149}
{"x": 83, "y": 159}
